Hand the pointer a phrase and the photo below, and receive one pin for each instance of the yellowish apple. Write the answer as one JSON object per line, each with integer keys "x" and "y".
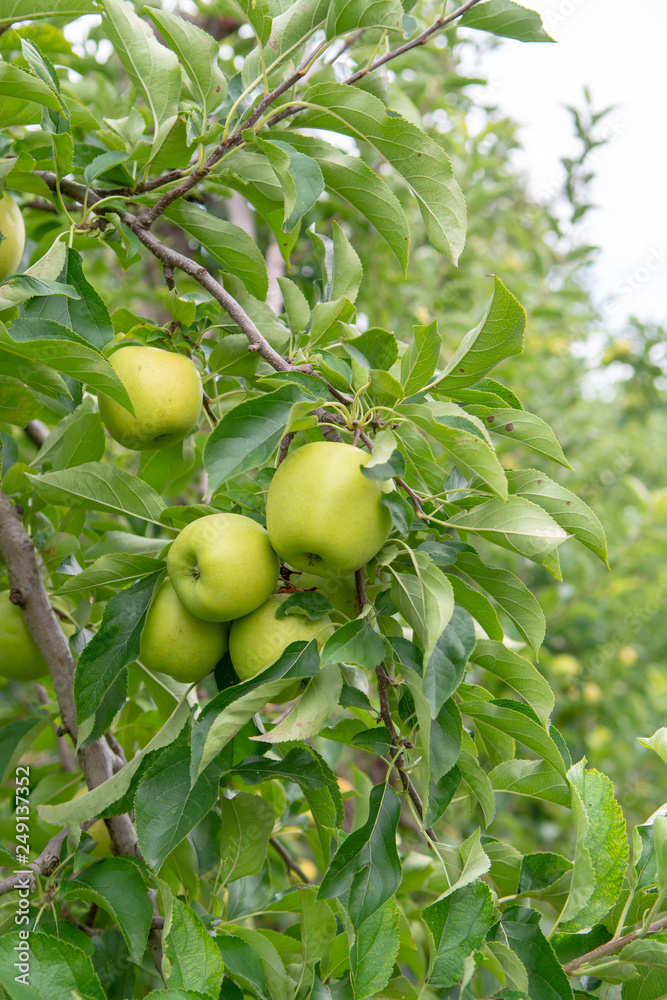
{"x": 258, "y": 639}
{"x": 222, "y": 566}
{"x": 12, "y": 232}
{"x": 323, "y": 516}
{"x": 166, "y": 393}
{"x": 20, "y": 659}
{"x": 176, "y": 643}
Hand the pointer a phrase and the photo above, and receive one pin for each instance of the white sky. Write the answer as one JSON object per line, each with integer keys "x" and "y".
{"x": 619, "y": 50}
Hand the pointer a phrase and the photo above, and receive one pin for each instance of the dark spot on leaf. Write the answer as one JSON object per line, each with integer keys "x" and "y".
{"x": 490, "y": 419}
{"x": 509, "y": 427}
{"x": 539, "y": 482}
{"x": 567, "y": 503}
{"x": 419, "y": 154}
{"x": 461, "y": 369}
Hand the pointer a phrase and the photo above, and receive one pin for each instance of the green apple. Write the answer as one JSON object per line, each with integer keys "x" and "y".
{"x": 176, "y": 643}
{"x": 166, "y": 393}
{"x": 20, "y": 659}
{"x": 12, "y": 231}
{"x": 258, "y": 639}
{"x": 323, "y": 516}
{"x": 222, "y": 566}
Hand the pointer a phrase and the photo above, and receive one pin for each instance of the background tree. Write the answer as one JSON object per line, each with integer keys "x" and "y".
{"x": 256, "y": 180}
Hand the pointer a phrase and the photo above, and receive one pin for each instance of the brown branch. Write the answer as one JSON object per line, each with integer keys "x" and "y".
{"x": 284, "y": 446}
{"x": 611, "y": 947}
{"x": 27, "y": 590}
{"x": 46, "y": 863}
{"x": 290, "y": 863}
{"x": 209, "y": 409}
{"x": 422, "y": 39}
{"x": 37, "y": 432}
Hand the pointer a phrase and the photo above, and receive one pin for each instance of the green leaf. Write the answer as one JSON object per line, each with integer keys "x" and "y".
{"x": 95, "y": 802}
{"x": 518, "y": 674}
{"x": 300, "y": 765}
{"x": 421, "y": 358}
{"x": 167, "y": 807}
{"x": 517, "y": 525}
{"x": 152, "y": 68}
{"x": 97, "y": 486}
{"x": 76, "y": 439}
{"x": 15, "y": 738}
{"x": 573, "y": 515}
{"x": 56, "y": 970}
{"x": 478, "y": 782}
{"x": 312, "y": 709}
{"x": 444, "y": 669}
{"x": 350, "y": 15}
{"x": 533, "y": 778}
{"x": 87, "y": 315}
{"x": 235, "y": 251}
{"x": 310, "y": 603}
{"x": 514, "y": 723}
{"x": 375, "y": 950}
{"x": 49, "y": 267}
{"x": 650, "y": 984}
{"x": 231, "y": 356}
{"x": 116, "y": 886}
{"x": 457, "y": 925}
{"x": 34, "y": 375}
{"x": 229, "y": 711}
{"x": 247, "y": 434}
{"x": 299, "y": 175}
{"x": 198, "y": 55}
{"x": 499, "y": 335}
{"x": 58, "y": 347}
{"x": 112, "y": 570}
{"x": 601, "y": 850}
{"x": 426, "y": 601}
{"x": 520, "y": 929}
{"x": 420, "y": 161}
{"x": 511, "y": 594}
{"x": 367, "y": 863}
{"x": 24, "y": 10}
{"x": 17, "y": 404}
{"x": 353, "y": 181}
{"x": 247, "y": 823}
{"x": 15, "y": 81}
{"x": 258, "y": 13}
{"x": 478, "y": 606}
{"x": 375, "y": 348}
{"x": 543, "y": 873}
{"x": 193, "y": 958}
{"x": 401, "y": 510}
{"x": 469, "y": 451}
{"x": 657, "y": 742}
{"x": 113, "y": 647}
{"x": 241, "y": 963}
{"x": 354, "y": 642}
{"x": 506, "y": 18}
{"x": 524, "y": 427}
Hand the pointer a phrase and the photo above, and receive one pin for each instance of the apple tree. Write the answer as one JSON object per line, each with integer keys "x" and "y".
{"x": 266, "y": 682}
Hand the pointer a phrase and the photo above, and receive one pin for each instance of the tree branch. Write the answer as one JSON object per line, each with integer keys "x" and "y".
{"x": 611, "y": 947}
{"x": 290, "y": 863}
{"x": 27, "y": 590}
{"x": 46, "y": 863}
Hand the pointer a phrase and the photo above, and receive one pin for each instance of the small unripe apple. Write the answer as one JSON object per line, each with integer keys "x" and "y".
{"x": 166, "y": 393}
{"x": 258, "y": 639}
{"x": 20, "y": 659}
{"x": 176, "y": 643}
{"x": 323, "y": 516}
{"x": 222, "y": 566}
{"x": 12, "y": 231}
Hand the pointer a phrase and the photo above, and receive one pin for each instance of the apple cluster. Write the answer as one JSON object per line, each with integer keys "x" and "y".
{"x": 324, "y": 519}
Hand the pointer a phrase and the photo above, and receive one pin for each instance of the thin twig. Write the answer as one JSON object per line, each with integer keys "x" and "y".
{"x": 46, "y": 863}
{"x": 209, "y": 409}
{"x": 290, "y": 863}
{"x": 284, "y": 446}
{"x": 611, "y": 947}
